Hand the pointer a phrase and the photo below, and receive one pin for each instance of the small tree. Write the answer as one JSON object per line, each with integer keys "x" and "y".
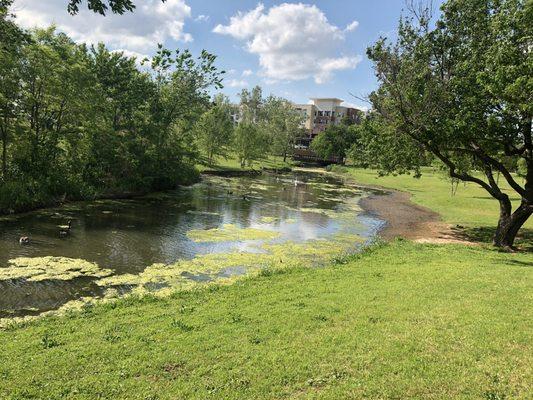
{"x": 335, "y": 141}
{"x": 249, "y": 143}
{"x": 463, "y": 92}
{"x": 282, "y": 125}
{"x": 214, "y": 129}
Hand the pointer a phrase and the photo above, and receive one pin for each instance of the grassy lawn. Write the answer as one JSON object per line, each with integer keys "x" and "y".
{"x": 402, "y": 320}
{"x": 471, "y": 206}
{"x": 232, "y": 164}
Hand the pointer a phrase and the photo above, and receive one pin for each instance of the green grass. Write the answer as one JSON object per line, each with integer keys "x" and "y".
{"x": 402, "y": 320}
{"x": 471, "y": 206}
{"x": 231, "y": 163}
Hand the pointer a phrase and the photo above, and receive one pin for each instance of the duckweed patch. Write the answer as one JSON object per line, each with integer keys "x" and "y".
{"x": 163, "y": 280}
{"x": 35, "y": 269}
{"x": 269, "y": 220}
{"x": 230, "y": 232}
{"x": 280, "y": 255}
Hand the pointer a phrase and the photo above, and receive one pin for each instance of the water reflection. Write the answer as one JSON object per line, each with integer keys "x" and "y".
{"x": 128, "y": 235}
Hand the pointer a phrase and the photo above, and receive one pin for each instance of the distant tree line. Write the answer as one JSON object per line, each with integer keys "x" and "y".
{"x": 252, "y": 130}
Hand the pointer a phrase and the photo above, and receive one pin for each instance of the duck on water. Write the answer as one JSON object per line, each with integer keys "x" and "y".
{"x": 64, "y": 230}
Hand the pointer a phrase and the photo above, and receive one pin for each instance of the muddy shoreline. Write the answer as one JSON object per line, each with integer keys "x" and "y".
{"x": 403, "y": 218}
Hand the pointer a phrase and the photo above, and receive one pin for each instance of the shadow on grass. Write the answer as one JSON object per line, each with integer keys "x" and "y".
{"x": 485, "y": 234}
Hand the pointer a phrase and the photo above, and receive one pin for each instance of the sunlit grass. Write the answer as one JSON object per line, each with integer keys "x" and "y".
{"x": 401, "y": 321}
{"x": 231, "y": 163}
{"x": 470, "y": 205}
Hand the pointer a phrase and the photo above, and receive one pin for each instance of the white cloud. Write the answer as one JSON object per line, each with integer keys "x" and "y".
{"x": 352, "y": 26}
{"x": 236, "y": 83}
{"x": 247, "y": 72}
{"x": 293, "y": 42}
{"x": 202, "y": 18}
{"x": 139, "y": 57}
{"x": 152, "y": 22}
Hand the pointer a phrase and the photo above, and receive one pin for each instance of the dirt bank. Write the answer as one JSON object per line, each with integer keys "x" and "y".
{"x": 408, "y": 220}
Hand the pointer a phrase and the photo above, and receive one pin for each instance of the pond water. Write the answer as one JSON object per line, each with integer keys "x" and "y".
{"x": 217, "y": 229}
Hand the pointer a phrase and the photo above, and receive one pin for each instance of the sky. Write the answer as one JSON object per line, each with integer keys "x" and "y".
{"x": 297, "y": 50}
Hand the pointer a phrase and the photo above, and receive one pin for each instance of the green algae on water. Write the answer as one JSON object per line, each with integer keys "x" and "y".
{"x": 268, "y": 220}
{"x": 35, "y": 269}
{"x": 230, "y": 233}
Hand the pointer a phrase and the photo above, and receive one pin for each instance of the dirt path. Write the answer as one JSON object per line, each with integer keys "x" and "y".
{"x": 408, "y": 220}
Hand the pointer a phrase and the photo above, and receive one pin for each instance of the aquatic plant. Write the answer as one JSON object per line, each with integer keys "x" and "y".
{"x": 230, "y": 232}
{"x": 268, "y": 220}
{"x": 50, "y": 268}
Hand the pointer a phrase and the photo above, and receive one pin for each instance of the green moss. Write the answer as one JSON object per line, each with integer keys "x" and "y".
{"x": 230, "y": 232}
{"x": 50, "y": 268}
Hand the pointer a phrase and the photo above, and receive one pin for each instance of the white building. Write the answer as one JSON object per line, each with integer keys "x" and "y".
{"x": 322, "y": 112}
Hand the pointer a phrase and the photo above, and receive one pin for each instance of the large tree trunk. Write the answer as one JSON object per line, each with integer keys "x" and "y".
{"x": 510, "y": 223}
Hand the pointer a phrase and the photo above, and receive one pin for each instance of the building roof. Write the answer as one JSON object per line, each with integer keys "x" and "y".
{"x": 326, "y": 99}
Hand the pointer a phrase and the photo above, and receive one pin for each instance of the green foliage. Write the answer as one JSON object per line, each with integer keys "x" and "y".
{"x": 461, "y": 89}
{"x": 335, "y": 141}
{"x": 103, "y": 6}
{"x": 80, "y": 122}
{"x": 378, "y": 146}
{"x": 282, "y": 125}
{"x": 249, "y": 143}
{"x": 214, "y": 129}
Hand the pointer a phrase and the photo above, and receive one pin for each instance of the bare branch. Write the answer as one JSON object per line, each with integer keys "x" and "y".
{"x": 364, "y": 99}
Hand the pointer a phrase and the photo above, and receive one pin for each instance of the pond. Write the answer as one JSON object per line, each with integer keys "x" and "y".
{"x": 215, "y": 230}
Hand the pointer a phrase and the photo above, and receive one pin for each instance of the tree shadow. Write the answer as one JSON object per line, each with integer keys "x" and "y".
{"x": 485, "y": 234}
{"x": 519, "y": 263}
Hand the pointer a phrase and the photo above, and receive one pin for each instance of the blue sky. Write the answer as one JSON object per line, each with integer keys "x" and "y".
{"x": 291, "y": 49}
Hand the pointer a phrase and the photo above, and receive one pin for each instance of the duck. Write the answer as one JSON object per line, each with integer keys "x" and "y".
{"x": 24, "y": 240}
{"x": 65, "y": 229}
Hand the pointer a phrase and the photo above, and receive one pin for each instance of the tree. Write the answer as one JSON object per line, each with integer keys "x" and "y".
{"x": 78, "y": 121}
{"x": 12, "y": 39}
{"x": 335, "y": 141}
{"x": 103, "y": 6}
{"x": 252, "y": 103}
{"x": 249, "y": 143}
{"x": 214, "y": 129}
{"x": 462, "y": 91}
{"x": 377, "y": 145}
{"x": 282, "y": 125}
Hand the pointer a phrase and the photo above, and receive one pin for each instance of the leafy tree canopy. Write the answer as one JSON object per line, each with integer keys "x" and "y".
{"x": 335, "y": 141}
{"x": 462, "y": 90}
